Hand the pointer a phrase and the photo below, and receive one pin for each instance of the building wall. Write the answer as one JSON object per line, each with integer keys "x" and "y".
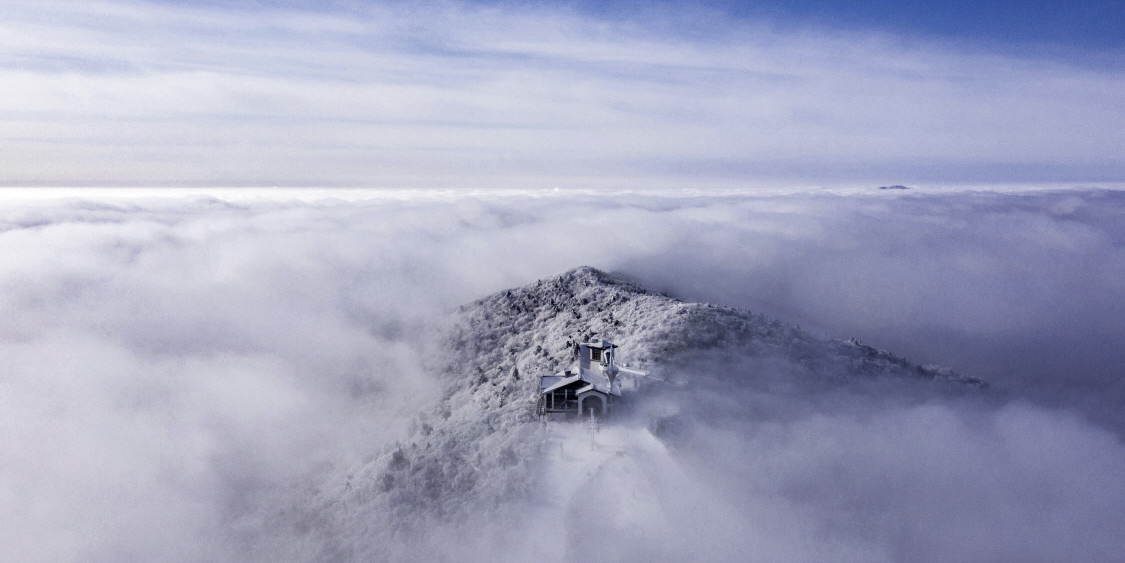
{"x": 590, "y": 400}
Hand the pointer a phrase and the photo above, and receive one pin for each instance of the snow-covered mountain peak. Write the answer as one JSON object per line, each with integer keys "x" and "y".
{"x": 481, "y": 448}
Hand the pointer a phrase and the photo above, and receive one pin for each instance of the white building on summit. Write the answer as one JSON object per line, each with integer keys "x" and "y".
{"x": 591, "y": 390}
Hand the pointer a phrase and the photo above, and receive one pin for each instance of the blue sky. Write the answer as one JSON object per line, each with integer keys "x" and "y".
{"x": 996, "y": 23}
{"x": 503, "y": 94}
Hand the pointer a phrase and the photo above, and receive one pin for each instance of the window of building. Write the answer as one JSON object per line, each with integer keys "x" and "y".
{"x": 595, "y": 354}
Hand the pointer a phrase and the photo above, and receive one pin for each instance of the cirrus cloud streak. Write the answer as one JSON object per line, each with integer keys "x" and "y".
{"x": 120, "y": 92}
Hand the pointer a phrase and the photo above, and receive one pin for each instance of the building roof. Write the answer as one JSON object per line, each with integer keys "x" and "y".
{"x": 560, "y": 383}
{"x": 590, "y": 387}
{"x": 593, "y": 382}
{"x": 599, "y": 343}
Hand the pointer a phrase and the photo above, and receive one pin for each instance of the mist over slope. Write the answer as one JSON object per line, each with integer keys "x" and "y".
{"x": 481, "y": 457}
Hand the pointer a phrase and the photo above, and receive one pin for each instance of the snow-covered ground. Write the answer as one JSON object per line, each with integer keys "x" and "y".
{"x": 601, "y": 481}
{"x": 574, "y": 492}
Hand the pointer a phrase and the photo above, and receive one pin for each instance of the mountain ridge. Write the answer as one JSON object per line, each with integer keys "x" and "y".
{"x": 476, "y": 454}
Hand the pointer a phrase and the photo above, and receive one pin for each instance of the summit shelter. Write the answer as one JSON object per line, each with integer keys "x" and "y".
{"x": 590, "y": 390}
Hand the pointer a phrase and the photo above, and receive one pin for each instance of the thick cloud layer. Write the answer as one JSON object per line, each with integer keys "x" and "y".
{"x": 170, "y": 366}
{"x": 1023, "y": 290}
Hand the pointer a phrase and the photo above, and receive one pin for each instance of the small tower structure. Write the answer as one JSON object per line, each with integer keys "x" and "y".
{"x": 589, "y": 390}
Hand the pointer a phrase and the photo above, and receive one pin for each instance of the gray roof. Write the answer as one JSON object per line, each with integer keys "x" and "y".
{"x": 598, "y": 343}
{"x": 595, "y": 383}
{"x": 562, "y": 383}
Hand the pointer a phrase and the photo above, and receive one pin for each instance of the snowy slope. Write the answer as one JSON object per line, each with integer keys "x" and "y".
{"x": 481, "y": 456}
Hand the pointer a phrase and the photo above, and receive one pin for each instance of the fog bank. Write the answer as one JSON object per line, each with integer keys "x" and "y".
{"x": 170, "y": 369}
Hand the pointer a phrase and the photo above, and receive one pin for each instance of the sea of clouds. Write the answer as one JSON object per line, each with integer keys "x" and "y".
{"x": 170, "y": 365}
{"x": 180, "y": 373}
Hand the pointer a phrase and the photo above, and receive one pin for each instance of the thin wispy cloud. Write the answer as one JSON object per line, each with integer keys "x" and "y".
{"x": 434, "y": 94}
